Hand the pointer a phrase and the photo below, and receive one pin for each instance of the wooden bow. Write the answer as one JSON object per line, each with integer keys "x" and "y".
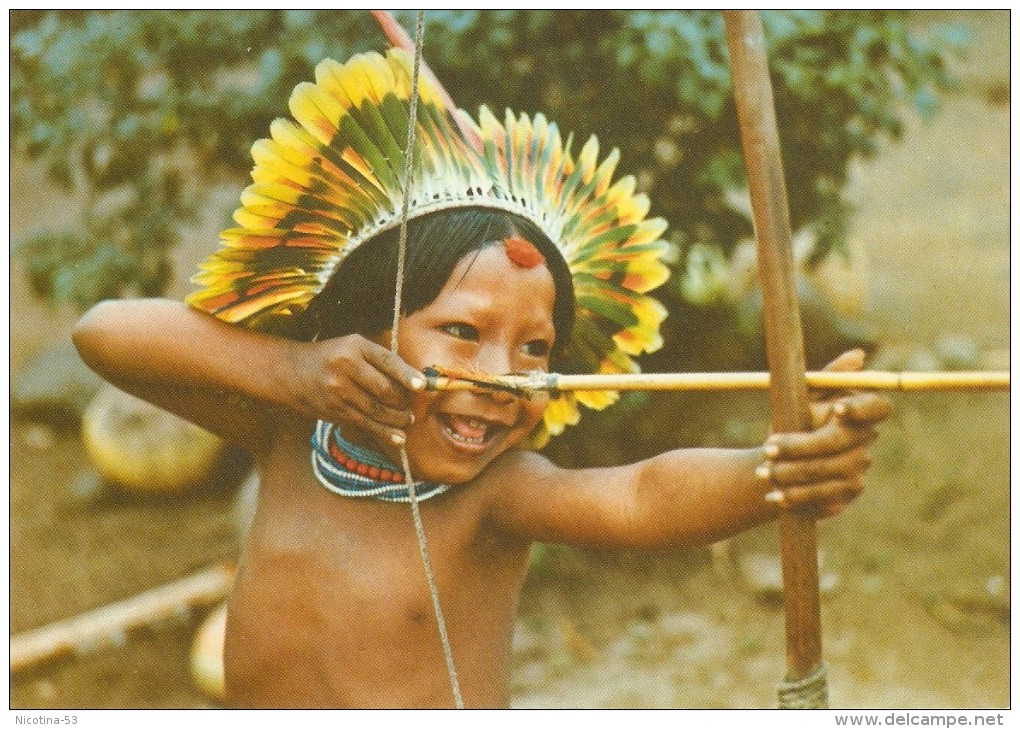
{"x": 784, "y": 346}
{"x": 784, "y": 342}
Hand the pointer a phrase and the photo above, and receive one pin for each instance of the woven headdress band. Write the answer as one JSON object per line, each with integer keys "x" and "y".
{"x": 328, "y": 181}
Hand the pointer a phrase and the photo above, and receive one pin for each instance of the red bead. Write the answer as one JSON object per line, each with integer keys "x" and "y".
{"x": 364, "y": 469}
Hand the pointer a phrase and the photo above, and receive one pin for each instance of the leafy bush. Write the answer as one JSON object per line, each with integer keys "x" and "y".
{"x": 139, "y": 109}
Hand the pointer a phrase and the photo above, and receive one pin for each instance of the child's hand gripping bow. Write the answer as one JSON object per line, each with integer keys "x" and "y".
{"x": 823, "y": 469}
{"x": 353, "y": 381}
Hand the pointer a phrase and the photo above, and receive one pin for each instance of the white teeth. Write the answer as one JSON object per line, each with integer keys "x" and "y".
{"x": 463, "y": 439}
{"x": 479, "y": 426}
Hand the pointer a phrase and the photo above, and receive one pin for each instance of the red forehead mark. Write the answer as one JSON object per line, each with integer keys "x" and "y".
{"x": 522, "y": 252}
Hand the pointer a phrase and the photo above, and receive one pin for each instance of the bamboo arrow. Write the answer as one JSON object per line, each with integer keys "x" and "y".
{"x": 964, "y": 381}
{"x": 805, "y": 684}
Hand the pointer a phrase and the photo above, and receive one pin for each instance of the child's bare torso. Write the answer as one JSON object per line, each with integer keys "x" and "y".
{"x": 331, "y": 607}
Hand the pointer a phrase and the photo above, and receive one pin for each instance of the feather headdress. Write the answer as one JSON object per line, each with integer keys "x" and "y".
{"x": 327, "y": 181}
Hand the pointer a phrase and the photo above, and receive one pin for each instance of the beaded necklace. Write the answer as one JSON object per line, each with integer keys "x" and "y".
{"x": 350, "y": 470}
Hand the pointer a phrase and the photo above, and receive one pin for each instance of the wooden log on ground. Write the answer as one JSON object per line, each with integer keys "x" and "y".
{"x": 99, "y": 626}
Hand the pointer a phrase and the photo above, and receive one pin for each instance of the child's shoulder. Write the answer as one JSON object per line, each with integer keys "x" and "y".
{"x": 518, "y": 466}
{"x": 530, "y": 497}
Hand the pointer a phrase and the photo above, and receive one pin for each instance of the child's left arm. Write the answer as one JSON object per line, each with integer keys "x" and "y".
{"x": 694, "y": 497}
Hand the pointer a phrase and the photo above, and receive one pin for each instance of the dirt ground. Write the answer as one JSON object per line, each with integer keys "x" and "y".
{"x": 917, "y": 574}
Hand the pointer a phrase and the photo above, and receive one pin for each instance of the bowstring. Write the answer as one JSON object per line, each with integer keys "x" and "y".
{"x": 451, "y": 670}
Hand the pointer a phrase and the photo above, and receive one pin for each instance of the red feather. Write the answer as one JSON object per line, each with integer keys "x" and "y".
{"x": 522, "y": 253}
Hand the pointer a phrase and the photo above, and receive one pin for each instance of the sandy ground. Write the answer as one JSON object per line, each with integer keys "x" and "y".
{"x": 917, "y": 610}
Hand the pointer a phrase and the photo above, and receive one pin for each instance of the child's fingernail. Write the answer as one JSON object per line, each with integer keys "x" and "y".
{"x": 417, "y": 383}
{"x": 410, "y": 418}
{"x": 775, "y": 497}
{"x": 771, "y": 451}
{"x": 764, "y": 471}
{"x": 398, "y": 438}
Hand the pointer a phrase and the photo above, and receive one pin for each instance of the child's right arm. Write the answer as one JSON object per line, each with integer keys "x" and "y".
{"x": 693, "y": 497}
{"x": 229, "y": 380}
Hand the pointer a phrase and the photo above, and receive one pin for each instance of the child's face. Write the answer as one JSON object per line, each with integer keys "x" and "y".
{"x": 493, "y": 317}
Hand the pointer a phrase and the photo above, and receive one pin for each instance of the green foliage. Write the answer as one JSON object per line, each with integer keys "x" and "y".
{"x": 138, "y": 109}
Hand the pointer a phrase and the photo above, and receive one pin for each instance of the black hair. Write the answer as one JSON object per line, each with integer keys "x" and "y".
{"x": 359, "y": 297}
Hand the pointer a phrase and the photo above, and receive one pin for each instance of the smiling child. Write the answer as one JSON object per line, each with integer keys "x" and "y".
{"x": 519, "y": 258}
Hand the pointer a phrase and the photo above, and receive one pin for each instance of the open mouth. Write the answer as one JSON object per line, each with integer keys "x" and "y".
{"x": 467, "y": 432}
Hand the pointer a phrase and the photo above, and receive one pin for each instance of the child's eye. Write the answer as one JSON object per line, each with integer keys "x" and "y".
{"x": 461, "y": 331}
{"x": 537, "y": 348}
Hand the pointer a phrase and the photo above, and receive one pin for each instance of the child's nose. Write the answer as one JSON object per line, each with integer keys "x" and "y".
{"x": 494, "y": 360}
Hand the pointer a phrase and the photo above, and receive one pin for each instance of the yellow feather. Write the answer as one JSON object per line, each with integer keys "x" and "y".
{"x": 587, "y": 159}
{"x": 322, "y": 182}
